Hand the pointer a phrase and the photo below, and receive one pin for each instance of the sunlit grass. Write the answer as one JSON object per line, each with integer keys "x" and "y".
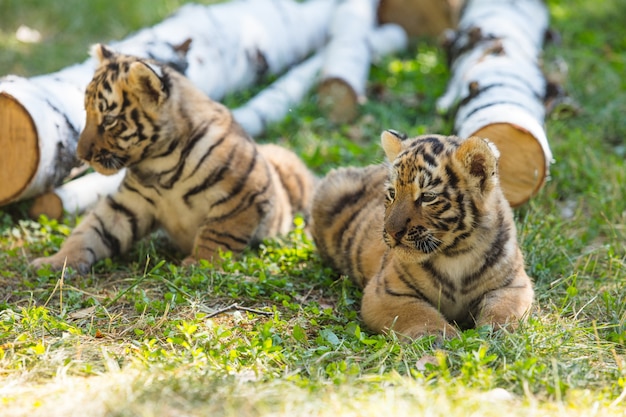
{"x": 278, "y": 333}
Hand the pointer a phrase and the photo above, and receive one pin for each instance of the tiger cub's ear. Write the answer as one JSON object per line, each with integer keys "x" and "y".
{"x": 145, "y": 82}
{"x": 479, "y": 158}
{"x": 101, "y": 52}
{"x": 392, "y": 143}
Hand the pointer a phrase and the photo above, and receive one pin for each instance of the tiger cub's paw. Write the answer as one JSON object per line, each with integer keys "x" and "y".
{"x": 189, "y": 261}
{"x": 215, "y": 264}
{"x": 441, "y": 333}
{"x": 81, "y": 263}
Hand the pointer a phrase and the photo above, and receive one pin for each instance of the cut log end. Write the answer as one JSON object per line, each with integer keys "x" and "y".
{"x": 49, "y": 204}
{"x": 338, "y": 100}
{"x": 19, "y": 155}
{"x": 421, "y": 17}
{"x": 522, "y": 161}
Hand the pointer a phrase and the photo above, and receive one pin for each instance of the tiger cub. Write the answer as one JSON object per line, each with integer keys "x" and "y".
{"x": 430, "y": 237}
{"x": 190, "y": 169}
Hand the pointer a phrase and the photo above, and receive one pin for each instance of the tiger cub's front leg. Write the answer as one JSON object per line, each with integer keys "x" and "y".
{"x": 386, "y": 306}
{"x": 507, "y": 306}
{"x": 108, "y": 230}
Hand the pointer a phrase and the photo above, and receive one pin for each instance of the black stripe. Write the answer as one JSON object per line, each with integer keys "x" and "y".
{"x": 216, "y": 176}
{"x": 435, "y": 181}
{"x": 429, "y": 159}
{"x": 136, "y": 191}
{"x": 348, "y": 200}
{"x": 446, "y": 286}
{"x": 166, "y": 82}
{"x": 357, "y": 267}
{"x": 415, "y": 295}
{"x": 453, "y": 179}
{"x": 132, "y": 218}
{"x": 344, "y": 246}
{"x": 495, "y": 103}
{"x": 295, "y": 199}
{"x": 110, "y": 241}
{"x": 219, "y": 244}
{"x": 241, "y": 240}
{"x": 437, "y": 147}
{"x": 406, "y": 279}
{"x": 452, "y": 251}
{"x": 207, "y": 154}
{"x": 473, "y": 305}
{"x": 492, "y": 257}
{"x": 134, "y": 115}
{"x": 445, "y": 207}
{"x": 463, "y": 213}
{"x": 170, "y": 149}
{"x": 241, "y": 182}
{"x": 125, "y": 101}
{"x": 183, "y": 157}
{"x": 245, "y": 203}
{"x": 338, "y": 236}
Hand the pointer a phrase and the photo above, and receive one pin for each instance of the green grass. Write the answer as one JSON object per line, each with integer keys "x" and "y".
{"x": 140, "y": 336}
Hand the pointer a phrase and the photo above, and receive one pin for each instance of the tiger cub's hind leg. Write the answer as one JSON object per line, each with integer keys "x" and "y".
{"x": 296, "y": 179}
{"x": 230, "y": 233}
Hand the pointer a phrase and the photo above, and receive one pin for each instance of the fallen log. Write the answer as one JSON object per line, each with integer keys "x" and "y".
{"x": 497, "y": 88}
{"x": 41, "y": 117}
{"x": 273, "y": 103}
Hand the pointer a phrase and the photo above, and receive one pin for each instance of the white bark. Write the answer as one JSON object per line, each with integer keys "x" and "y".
{"x": 496, "y": 76}
{"x": 272, "y": 104}
{"x": 233, "y": 45}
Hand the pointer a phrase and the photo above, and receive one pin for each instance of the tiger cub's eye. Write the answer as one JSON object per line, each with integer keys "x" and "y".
{"x": 391, "y": 193}
{"x": 428, "y": 197}
{"x": 109, "y": 120}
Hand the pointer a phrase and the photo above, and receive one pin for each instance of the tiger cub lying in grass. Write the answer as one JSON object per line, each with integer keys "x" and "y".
{"x": 438, "y": 248}
{"x": 191, "y": 169}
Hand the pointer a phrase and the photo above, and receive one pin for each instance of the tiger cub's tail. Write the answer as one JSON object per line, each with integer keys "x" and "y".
{"x": 347, "y": 217}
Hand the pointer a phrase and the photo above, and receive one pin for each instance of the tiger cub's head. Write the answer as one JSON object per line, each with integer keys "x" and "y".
{"x": 438, "y": 188}
{"x": 123, "y": 102}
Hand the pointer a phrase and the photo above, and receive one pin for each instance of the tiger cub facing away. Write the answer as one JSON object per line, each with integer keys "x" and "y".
{"x": 190, "y": 169}
{"x": 438, "y": 248}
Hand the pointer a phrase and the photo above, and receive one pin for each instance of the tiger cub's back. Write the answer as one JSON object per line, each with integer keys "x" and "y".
{"x": 347, "y": 219}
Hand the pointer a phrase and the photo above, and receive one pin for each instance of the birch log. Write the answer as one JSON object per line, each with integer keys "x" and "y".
{"x": 497, "y": 88}
{"x": 275, "y": 102}
{"x": 269, "y": 106}
{"x": 347, "y": 59}
{"x": 233, "y": 45}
